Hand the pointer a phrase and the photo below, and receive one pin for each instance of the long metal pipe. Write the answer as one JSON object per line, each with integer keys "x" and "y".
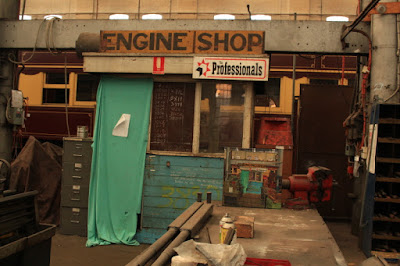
{"x": 169, "y": 251}
{"x": 173, "y": 230}
{"x": 190, "y": 228}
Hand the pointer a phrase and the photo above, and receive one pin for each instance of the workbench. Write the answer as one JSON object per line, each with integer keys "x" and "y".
{"x": 300, "y": 236}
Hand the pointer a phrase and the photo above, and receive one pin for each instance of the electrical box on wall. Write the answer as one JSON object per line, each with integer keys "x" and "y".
{"x": 15, "y": 108}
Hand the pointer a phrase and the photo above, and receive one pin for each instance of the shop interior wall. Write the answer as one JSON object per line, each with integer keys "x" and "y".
{"x": 192, "y": 9}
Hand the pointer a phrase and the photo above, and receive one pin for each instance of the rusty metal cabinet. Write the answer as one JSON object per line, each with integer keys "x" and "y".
{"x": 77, "y": 159}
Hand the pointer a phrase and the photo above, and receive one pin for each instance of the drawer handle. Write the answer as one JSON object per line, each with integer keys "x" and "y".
{"x": 75, "y": 221}
{"x": 74, "y": 199}
{"x": 77, "y": 155}
{"x": 78, "y": 169}
{"x": 77, "y": 177}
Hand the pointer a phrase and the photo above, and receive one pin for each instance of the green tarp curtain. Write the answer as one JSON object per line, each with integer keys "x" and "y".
{"x": 118, "y": 162}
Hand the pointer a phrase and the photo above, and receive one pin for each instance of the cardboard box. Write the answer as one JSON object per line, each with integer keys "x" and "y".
{"x": 244, "y": 226}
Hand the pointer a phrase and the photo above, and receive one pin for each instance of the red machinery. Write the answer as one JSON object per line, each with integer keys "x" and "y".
{"x": 315, "y": 186}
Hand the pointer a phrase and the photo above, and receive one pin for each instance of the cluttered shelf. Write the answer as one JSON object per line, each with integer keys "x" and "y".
{"x": 389, "y": 140}
{"x": 386, "y": 255}
{"x": 389, "y": 121}
{"x": 387, "y": 200}
{"x": 386, "y": 237}
{"x": 386, "y": 219}
{"x": 388, "y": 179}
{"x": 387, "y": 160}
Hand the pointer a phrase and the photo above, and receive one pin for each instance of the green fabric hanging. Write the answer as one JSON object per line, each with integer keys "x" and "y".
{"x": 118, "y": 162}
{"x": 244, "y": 179}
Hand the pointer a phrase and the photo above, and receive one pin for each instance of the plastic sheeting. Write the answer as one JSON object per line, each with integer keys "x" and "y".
{"x": 118, "y": 162}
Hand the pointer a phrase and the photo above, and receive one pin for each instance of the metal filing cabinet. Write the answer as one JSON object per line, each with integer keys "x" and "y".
{"x": 77, "y": 160}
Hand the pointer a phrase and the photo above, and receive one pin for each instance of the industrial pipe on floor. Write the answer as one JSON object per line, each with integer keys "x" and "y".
{"x": 173, "y": 229}
{"x": 190, "y": 228}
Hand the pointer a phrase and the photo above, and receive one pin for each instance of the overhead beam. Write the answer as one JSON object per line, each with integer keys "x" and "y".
{"x": 280, "y": 35}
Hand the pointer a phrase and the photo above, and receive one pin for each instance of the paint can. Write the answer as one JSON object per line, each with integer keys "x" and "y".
{"x": 82, "y": 132}
{"x": 225, "y": 220}
{"x": 225, "y": 229}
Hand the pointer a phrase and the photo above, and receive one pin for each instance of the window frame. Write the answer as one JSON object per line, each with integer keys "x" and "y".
{"x": 248, "y": 114}
{"x": 71, "y": 80}
{"x": 75, "y": 93}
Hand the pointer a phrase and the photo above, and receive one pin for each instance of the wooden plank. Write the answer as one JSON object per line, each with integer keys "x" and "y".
{"x": 385, "y": 237}
{"x": 182, "y": 192}
{"x": 386, "y": 219}
{"x": 389, "y": 121}
{"x": 186, "y": 161}
{"x": 389, "y": 140}
{"x": 162, "y": 213}
{"x": 149, "y": 235}
{"x": 175, "y": 171}
{"x": 247, "y": 116}
{"x": 386, "y": 255}
{"x": 182, "y": 181}
{"x": 158, "y": 223}
{"x": 147, "y": 41}
{"x": 387, "y": 160}
{"x": 196, "y": 119}
{"x": 387, "y": 200}
{"x": 182, "y": 42}
{"x": 388, "y": 179}
{"x": 167, "y": 203}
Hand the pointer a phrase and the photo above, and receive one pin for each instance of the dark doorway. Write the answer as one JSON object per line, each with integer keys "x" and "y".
{"x": 321, "y": 140}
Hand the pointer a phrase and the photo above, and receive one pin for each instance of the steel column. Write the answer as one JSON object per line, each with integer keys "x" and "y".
{"x": 9, "y": 9}
{"x": 384, "y": 59}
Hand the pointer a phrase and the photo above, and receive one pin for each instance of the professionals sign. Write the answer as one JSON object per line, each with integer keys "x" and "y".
{"x": 182, "y": 42}
{"x": 230, "y": 68}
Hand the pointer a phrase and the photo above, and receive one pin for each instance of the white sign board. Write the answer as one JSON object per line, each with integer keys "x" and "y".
{"x": 230, "y": 68}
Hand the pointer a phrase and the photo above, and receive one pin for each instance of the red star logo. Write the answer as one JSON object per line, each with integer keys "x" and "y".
{"x": 206, "y": 67}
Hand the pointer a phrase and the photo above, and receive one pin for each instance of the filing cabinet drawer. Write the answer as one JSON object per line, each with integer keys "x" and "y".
{"x": 77, "y": 151}
{"x": 75, "y": 196}
{"x": 76, "y": 174}
{"x": 73, "y": 221}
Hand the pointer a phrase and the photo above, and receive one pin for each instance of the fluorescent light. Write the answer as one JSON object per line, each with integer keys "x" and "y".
{"x": 119, "y": 16}
{"x": 260, "y": 17}
{"x": 152, "y": 16}
{"x": 26, "y": 17}
{"x": 224, "y": 17}
{"x": 337, "y": 18}
{"x": 48, "y": 17}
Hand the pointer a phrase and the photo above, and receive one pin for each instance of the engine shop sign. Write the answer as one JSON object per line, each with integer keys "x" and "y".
{"x": 182, "y": 42}
{"x": 230, "y": 68}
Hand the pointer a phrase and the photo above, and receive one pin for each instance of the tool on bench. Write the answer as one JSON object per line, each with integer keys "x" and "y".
{"x": 315, "y": 186}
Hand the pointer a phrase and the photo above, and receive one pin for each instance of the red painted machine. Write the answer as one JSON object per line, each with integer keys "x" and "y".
{"x": 315, "y": 186}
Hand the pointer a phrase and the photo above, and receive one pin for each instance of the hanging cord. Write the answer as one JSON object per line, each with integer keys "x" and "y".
{"x": 23, "y": 10}
{"x": 364, "y": 87}
{"x": 343, "y": 67}
{"x": 66, "y": 94}
{"x": 11, "y": 56}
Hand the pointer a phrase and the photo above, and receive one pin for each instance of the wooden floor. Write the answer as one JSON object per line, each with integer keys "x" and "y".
{"x": 301, "y": 237}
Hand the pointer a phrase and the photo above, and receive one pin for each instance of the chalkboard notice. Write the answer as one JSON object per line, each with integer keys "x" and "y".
{"x": 172, "y": 116}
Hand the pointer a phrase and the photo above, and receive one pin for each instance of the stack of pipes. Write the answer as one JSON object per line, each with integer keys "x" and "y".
{"x": 188, "y": 224}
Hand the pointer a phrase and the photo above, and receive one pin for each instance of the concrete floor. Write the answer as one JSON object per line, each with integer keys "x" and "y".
{"x": 303, "y": 238}
{"x": 347, "y": 242}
